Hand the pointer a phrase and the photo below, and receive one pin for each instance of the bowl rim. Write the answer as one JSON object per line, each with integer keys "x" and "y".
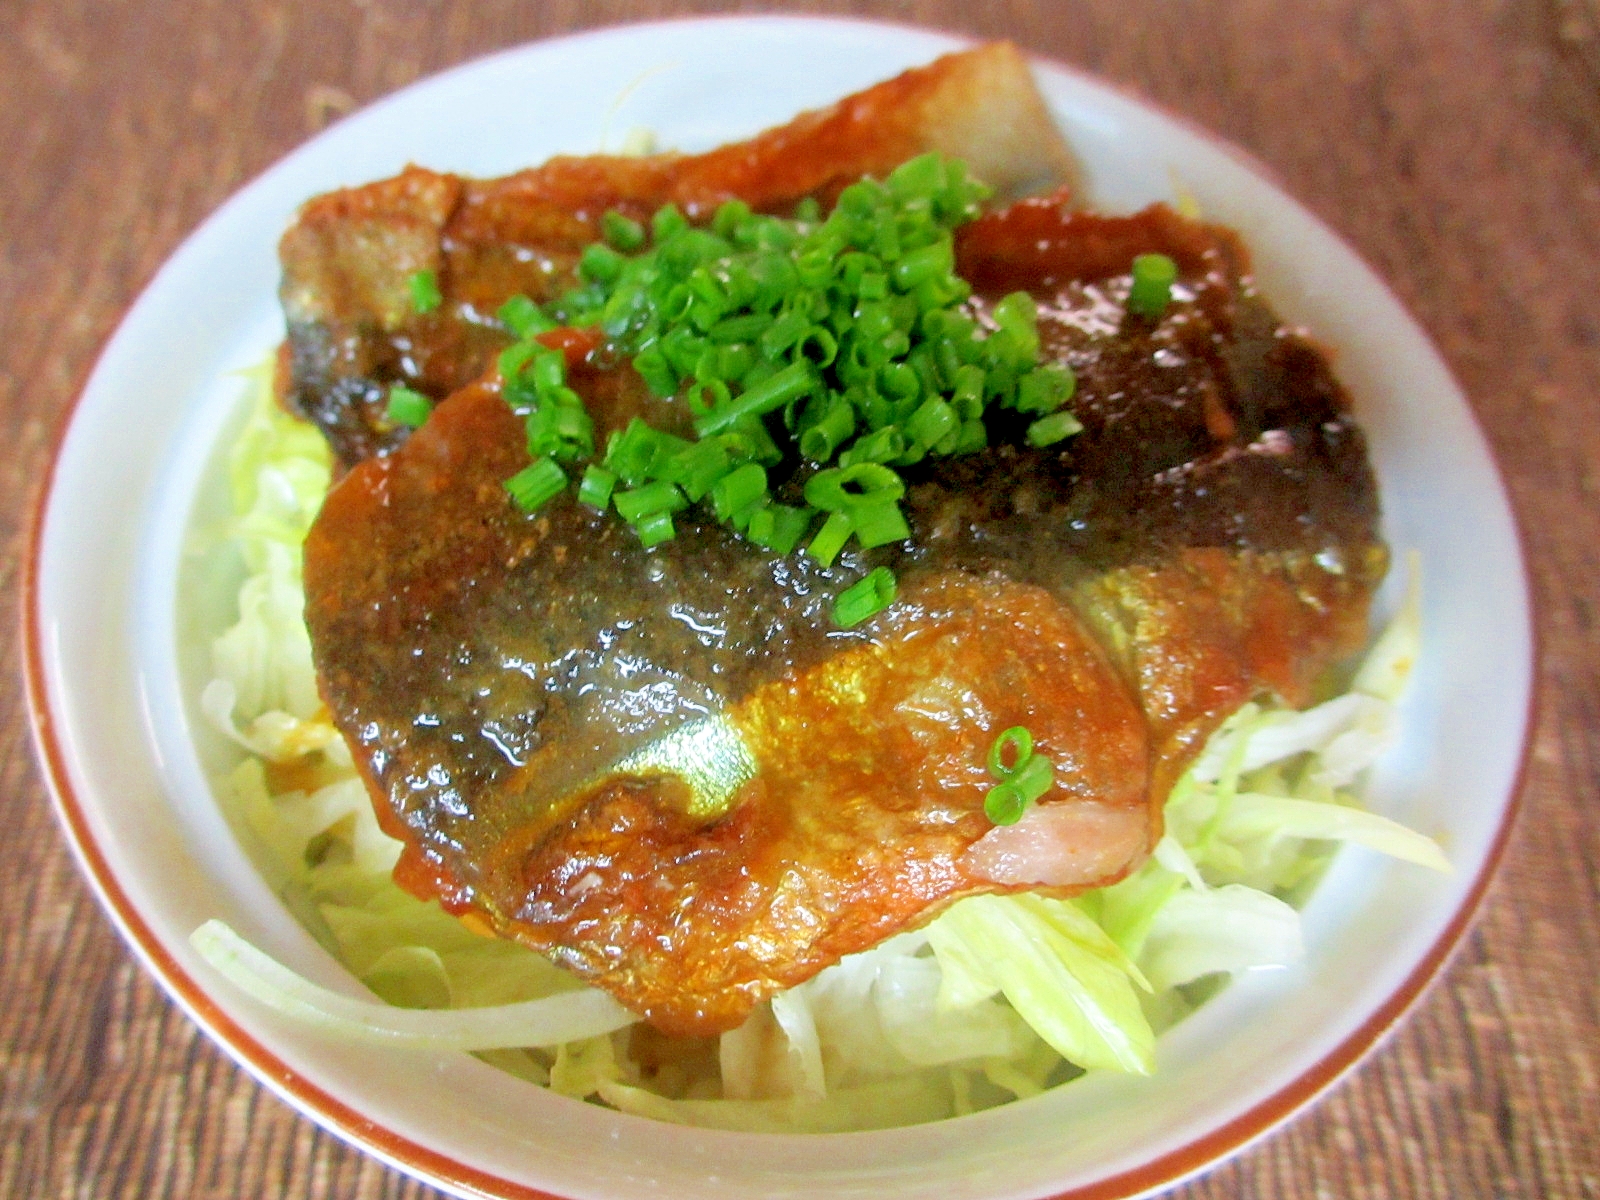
{"x": 444, "y": 1170}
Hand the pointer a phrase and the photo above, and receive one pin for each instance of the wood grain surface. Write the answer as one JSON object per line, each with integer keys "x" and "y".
{"x": 1455, "y": 143}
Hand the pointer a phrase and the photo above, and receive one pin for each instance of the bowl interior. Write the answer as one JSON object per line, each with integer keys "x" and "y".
{"x": 128, "y": 594}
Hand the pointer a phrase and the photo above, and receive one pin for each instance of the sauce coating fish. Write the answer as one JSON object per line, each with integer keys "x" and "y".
{"x": 666, "y": 767}
{"x": 348, "y": 258}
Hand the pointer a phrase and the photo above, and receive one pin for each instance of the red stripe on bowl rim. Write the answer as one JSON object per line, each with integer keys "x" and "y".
{"x": 442, "y": 1170}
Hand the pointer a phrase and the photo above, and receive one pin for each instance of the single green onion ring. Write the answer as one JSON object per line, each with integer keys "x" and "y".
{"x": 1034, "y": 778}
{"x": 843, "y": 489}
{"x": 1004, "y": 804}
{"x": 1153, "y": 277}
{"x": 424, "y": 289}
{"x": 536, "y": 484}
{"x": 1016, "y": 744}
{"x": 865, "y": 598}
{"x": 407, "y": 407}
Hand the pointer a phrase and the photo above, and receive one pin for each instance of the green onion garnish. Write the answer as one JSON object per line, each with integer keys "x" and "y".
{"x": 836, "y": 340}
{"x": 778, "y": 527}
{"x": 655, "y": 529}
{"x": 596, "y": 488}
{"x": 738, "y": 490}
{"x": 1015, "y": 744}
{"x": 599, "y": 263}
{"x": 840, "y": 489}
{"x": 537, "y": 484}
{"x": 830, "y": 539}
{"x": 1153, "y": 276}
{"x": 772, "y": 393}
{"x": 1025, "y": 778}
{"x": 638, "y": 503}
{"x": 1047, "y": 431}
{"x": 523, "y": 317}
{"x": 622, "y": 233}
{"x": 407, "y": 407}
{"x": 424, "y": 288}
{"x": 865, "y": 598}
{"x": 879, "y": 523}
{"x": 1034, "y": 777}
{"x": 1003, "y": 804}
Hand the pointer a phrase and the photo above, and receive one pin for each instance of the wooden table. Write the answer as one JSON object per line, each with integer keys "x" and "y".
{"x": 1455, "y": 143}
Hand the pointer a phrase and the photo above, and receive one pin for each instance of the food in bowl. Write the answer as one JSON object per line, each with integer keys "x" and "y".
{"x": 853, "y": 624}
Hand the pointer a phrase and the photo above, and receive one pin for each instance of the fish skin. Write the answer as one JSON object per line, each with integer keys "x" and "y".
{"x": 348, "y": 257}
{"x": 1120, "y": 595}
{"x": 1210, "y": 536}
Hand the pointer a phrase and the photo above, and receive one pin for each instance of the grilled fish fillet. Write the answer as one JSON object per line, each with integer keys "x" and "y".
{"x": 348, "y": 259}
{"x": 669, "y": 771}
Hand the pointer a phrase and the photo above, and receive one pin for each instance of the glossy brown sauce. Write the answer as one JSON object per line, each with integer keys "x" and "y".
{"x": 347, "y": 259}
{"x": 1210, "y": 536}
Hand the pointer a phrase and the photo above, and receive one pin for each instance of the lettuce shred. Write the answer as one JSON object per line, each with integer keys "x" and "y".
{"x": 1000, "y": 997}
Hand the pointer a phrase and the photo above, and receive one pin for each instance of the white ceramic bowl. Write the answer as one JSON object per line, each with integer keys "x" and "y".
{"x": 116, "y": 648}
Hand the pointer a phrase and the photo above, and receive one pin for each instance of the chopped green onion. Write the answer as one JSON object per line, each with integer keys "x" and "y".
{"x": 1046, "y": 389}
{"x": 698, "y": 467}
{"x": 656, "y": 528}
{"x": 560, "y": 430}
{"x": 737, "y": 490}
{"x": 884, "y": 445}
{"x": 549, "y": 371}
{"x": 621, "y": 232}
{"x": 635, "y": 452}
{"x": 523, "y": 317}
{"x": 1034, "y": 777}
{"x": 830, "y": 539}
{"x": 820, "y": 438}
{"x": 657, "y": 373}
{"x": 667, "y": 223}
{"x": 536, "y": 484}
{"x": 596, "y": 488}
{"x": 918, "y": 178}
{"x": 741, "y": 518}
{"x": 837, "y": 334}
{"x": 932, "y": 423}
{"x": 779, "y": 527}
{"x": 639, "y": 503}
{"x": 1016, "y": 744}
{"x": 922, "y": 265}
{"x": 599, "y": 263}
{"x": 972, "y": 437}
{"x": 1017, "y": 314}
{"x": 514, "y": 357}
{"x": 407, "y": 407}
{"x": 744, "y": 328}
{"x": 1153, "y": 277}
{"x": 730, "y": 216}
{"x": 878, "y": 523}
{"x": 791, "y": 383}
{"x": 843, "y": 489}
{"x": 1047, "y": 431}
{"x": 1003, "y": 804}
{"x": 1026, "y": 778}
{"x": 424, "y": 288}
{"x": 865, "y": 598}
{"x": 785, "y": 331}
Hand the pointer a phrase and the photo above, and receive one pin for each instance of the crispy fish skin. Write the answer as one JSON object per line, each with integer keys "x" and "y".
{"x": 866, "y": 768}
{"x": 1209, "y": 537}
{"x": 348, "y": 258}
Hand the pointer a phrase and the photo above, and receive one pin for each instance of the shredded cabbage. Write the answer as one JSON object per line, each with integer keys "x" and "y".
{"x": 998, "y": 998}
